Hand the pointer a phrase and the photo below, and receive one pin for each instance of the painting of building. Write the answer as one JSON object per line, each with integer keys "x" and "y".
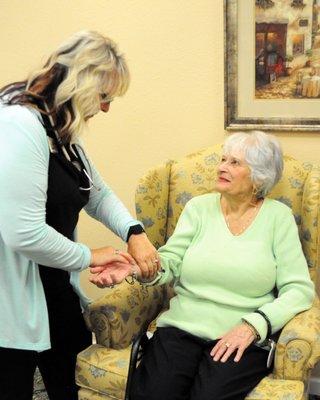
{"x": 287, "y": 53}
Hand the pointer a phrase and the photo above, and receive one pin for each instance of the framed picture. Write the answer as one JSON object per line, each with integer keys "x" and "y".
{"x": 272, "y": 65}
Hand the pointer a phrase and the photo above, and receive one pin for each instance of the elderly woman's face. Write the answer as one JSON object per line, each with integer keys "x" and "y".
{"x": 234, "y": 176}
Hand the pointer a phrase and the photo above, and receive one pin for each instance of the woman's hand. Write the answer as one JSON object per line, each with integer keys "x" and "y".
{"x": 145, "y": 254}
{"x": 102, "y": 256}
{"x": 112, "y": 274}
{"x": 236, "y": 340}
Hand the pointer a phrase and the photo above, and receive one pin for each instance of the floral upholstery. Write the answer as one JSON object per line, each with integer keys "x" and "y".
{"x": 119, "y": 316}
{"x": 107, "y": 369}
{"x": 277, "y": 389}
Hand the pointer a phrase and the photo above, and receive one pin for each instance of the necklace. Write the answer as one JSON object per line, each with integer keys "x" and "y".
{"x": 245, "y": 224}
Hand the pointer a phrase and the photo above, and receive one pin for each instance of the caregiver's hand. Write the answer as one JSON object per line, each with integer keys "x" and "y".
{"x": 145, "y": 254}
{"x": 113, "y": 273}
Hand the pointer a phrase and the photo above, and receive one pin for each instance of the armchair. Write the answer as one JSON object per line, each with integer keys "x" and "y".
{"x": 123, "y": 313}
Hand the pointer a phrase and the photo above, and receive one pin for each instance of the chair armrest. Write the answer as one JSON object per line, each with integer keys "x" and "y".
{"x": 122, "y": 313}
{"x": 298, "y": 348}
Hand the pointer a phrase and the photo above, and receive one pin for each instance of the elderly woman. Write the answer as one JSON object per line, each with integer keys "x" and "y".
{"x": 46, "y": 179}
{"x": 239, "y": 276}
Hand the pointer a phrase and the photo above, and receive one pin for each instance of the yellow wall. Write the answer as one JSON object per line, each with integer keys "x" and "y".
{"x": 175, "y": 103}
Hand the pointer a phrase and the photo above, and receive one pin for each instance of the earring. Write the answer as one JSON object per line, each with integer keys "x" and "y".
{"x": 254, "y": 198}
{"x": 255, "y": 191}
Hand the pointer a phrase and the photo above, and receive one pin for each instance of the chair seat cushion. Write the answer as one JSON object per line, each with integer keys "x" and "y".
{"x": 277, "y": 389}
{"x": 87, "y": 394}
{"x": 103, "y": 370}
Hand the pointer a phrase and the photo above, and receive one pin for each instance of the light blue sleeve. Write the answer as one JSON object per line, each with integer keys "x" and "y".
{"x": 24, "y": 159}
{"x": 105, "y": 206}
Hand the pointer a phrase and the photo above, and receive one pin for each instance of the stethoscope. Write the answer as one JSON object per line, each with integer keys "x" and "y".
{"x": 53, "y": 149}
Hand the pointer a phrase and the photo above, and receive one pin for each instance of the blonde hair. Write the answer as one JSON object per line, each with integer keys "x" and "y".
{"x": 84, "y": 66}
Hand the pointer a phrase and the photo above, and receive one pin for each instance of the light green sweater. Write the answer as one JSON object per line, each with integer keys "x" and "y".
{"x": 221, "y": 278}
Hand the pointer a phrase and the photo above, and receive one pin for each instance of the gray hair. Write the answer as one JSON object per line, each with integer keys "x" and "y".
{"x": 263, "y": 154}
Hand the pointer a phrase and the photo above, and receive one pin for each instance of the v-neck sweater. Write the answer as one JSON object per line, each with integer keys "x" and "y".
{"x": 220, "y": 278}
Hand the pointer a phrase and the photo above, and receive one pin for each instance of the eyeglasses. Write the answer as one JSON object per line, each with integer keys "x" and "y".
{"x": 104, "y": 98}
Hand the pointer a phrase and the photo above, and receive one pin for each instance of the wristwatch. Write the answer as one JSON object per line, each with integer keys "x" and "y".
{"x": 135, "y": 230}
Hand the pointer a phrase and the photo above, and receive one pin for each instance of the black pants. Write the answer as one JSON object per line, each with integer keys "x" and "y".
{"x": 69, "y": 336}
{"x": 178, "y": 366}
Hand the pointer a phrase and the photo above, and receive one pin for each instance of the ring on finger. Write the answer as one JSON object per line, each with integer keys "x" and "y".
{"x": 117, "y": 251}
{"x": 227, "y": 344}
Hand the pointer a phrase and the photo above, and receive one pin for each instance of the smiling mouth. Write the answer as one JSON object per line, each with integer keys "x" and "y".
{"x": 221, "y": 179}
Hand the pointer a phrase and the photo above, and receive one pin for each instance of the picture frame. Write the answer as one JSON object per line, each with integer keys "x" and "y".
{"x": 242, "y": 110}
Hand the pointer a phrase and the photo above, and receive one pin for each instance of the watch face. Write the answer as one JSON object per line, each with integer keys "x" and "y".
{"x": 135, "y": 230}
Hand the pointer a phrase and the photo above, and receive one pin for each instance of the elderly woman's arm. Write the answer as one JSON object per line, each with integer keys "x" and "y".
{"x": 172, "y": 253}
{"x": 293, "y": 283}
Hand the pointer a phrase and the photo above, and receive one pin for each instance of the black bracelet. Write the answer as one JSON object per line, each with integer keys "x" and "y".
{"x": 253, "y": 329}
{"x": 269, "y": 328}
{"x": 135, "y": 230}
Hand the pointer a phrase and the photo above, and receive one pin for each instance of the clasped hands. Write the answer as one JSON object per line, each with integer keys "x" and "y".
{"x": 119, "y": 266}
{"x": 110, "y": 267}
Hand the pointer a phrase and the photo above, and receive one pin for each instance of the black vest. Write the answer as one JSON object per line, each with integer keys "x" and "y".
{"x": 65, "y": 199}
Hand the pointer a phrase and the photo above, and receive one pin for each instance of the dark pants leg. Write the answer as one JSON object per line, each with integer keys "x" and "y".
{"x": 16, "y": 374}
{"x": 69, "y": 336}
{"x": 168, "y": 366}
{"x": 230, "y": 380}
{"x": 177, "y": 366}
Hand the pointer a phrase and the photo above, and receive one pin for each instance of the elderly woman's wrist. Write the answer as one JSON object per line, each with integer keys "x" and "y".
{"x": 136, "y": 275}
{"x": 136, "y": 272}
{"x": 252, "y": 329}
